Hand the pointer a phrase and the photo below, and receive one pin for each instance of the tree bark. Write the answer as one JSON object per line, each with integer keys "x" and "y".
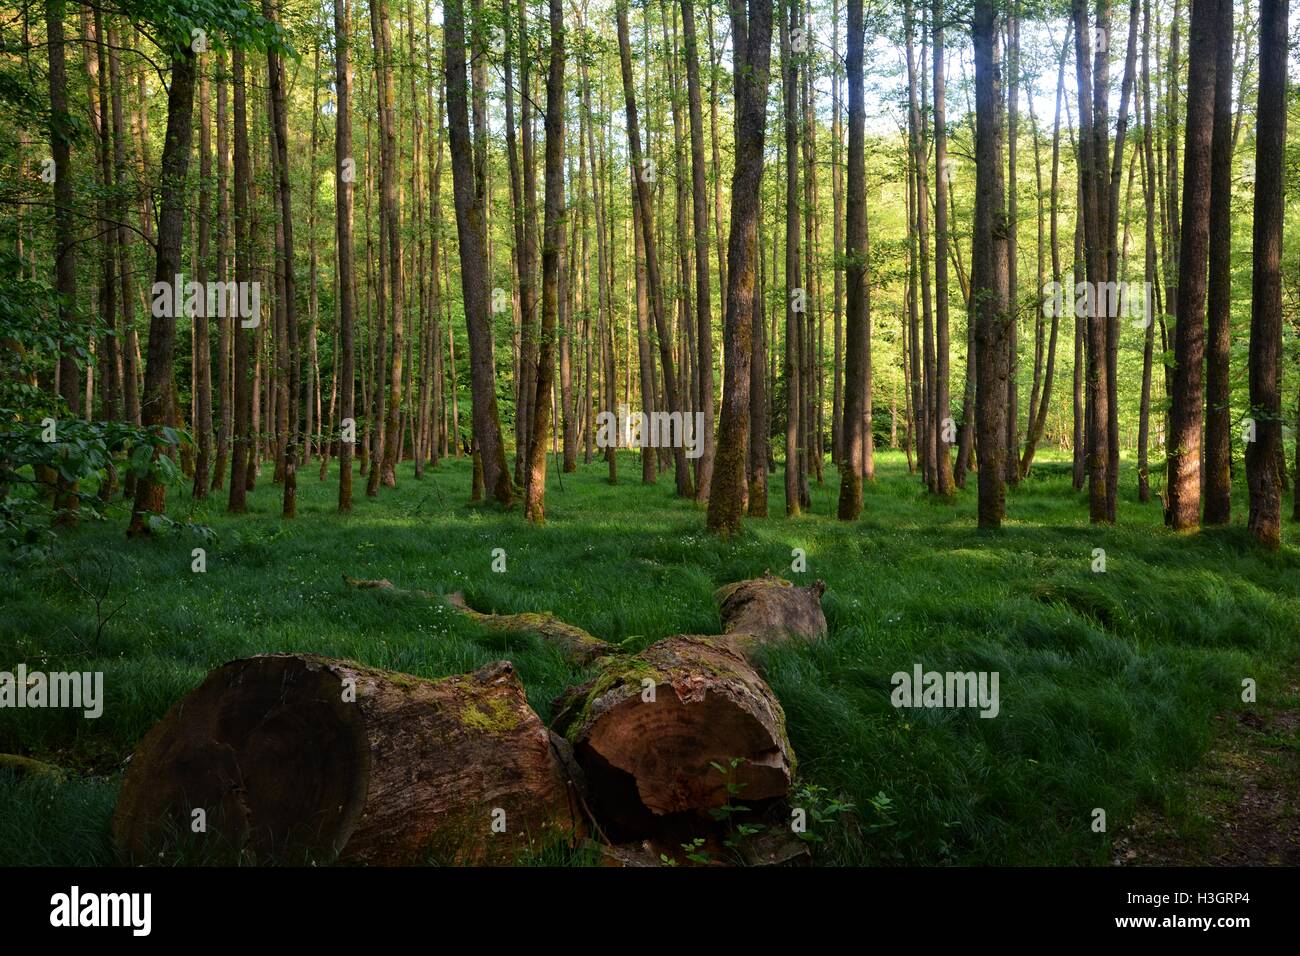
{"x": 1187, "y": 411}
{"x": 1218, "y": 388}
{"x": 752, "y": 40}
{"x": 700, "y": 220}
{"x": 296, "y": 756}
{"x": 552, "y": 249}
{"x": 857, "y": 340}
{"x": 159, "y": 385}
{"x": 65, "y": 237}
{"x": 473, "y": 262}
{"x": 989, "y": 270}
{"x": 641, "y": 175}
{"x": 704, "y": 706}
{"x": 1262, "y": 478}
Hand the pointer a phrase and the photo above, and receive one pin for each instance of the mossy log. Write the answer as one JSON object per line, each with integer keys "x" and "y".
{"x": 298, "y": 757}
{"x": 30, "y": 768}
{"x": 663, "y": 737}
{"x": 757, "y": 612}
{"x": 573, "y": 642}
{"x": 770, "y": 610}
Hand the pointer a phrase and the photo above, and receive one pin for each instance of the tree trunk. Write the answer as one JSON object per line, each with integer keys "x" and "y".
{"x": 1262, "y": 478}
{"x": 1013, "y": 250}
{"x": 704, "y": 706}
{"x": 857, "y": 347}
{"x": 159, "y": 385}
{"x": 1218, "y": 388}
{"x": 62, "y": 131}
{"x": 203, "y": 355}
{"x": 1038, "y": 418}
{"x": 942, "y": 399}
{"x": 470, "y": 228}
{"x": 552, "y": 250}
{"x": 752, "y": 39}
{"x": 989, "y": 270}
{"x": 344, "y": 177}
{"x": 1187, "y": 411}
{"x": 242, "y": 451}
{"x": 295, "y": 757}
{"x": 796, "y": 296}
{"x": 700, "y": 211}
{"x": 642, "y": 176}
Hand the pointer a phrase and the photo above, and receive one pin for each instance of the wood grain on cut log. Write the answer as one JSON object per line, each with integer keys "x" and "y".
{"x": 650, "y": 732}
{"x": 769, "y": 610}
{"x": 288, "y": 764}
{"x": 573, "y": 642}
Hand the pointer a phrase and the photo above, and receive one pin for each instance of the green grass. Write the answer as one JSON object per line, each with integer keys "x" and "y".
{"x": 1109, "y": 682}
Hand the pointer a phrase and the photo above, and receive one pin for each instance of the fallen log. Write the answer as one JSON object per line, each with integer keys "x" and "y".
{"x": 664, "y": 736}
{"x": 298, "y": 757}
{"x": 770, "y": 610}
{"x": 573, "y": 642}
{"x": 757, "y": 612}
{"x": 31, "y": 768}
{"x": 686, "y": 727}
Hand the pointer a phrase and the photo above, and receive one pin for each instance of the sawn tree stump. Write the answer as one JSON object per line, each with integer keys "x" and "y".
{"x": 294, "y": 757}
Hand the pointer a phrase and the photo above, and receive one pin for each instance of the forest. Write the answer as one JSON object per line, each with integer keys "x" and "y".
{"x": 649, "y": 432}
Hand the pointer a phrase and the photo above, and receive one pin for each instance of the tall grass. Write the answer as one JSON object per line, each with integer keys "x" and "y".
{"x": 1108, "y": 680}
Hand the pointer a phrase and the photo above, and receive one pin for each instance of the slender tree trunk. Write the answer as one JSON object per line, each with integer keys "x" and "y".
{"x": 642, "y": 179}
{"x": 1218, "y": 388}
{"x": 159, "y": 385}
{"x": 942, "y": 401}
{"x": 700, "y": 212}
{"x": 65, "y": 238}
{"x": 242, "y": 450}
{"x": 1187, "y": 412}
{"x": 552, "y": 250}
{"x": 1262, "y": 478}
{"x": 203, "y": 355}
{"x": 344, "y": 178}
{"x": 751, "y": 38}
{"x": 1038, "y": 416}
{"x": 989, "y": 269}
{"x": 857, "y": 346}
{"x": 796, "y": 296}
{"x": 837, "y": 203}
{"x": 1151, "y": 277}
{"x": 287, "y": 346}
{"x": 383, "y": 41}
{"x": 471, "y": 229}
{"x": 225, "y": 254}
{"x": 1013, "y": 249}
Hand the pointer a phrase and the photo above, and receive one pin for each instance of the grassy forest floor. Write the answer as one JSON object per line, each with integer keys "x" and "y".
{"x": 1119, "y": 690}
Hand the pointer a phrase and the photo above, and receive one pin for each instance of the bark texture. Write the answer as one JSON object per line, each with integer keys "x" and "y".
{"x": 286, "y": 766}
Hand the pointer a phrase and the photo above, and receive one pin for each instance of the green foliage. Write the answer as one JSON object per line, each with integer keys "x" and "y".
{"x": 236, "y": 22}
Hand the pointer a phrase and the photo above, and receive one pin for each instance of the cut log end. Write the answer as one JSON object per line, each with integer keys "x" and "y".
{"x": 682, "y": 728}
{"x": 296, "y": 757}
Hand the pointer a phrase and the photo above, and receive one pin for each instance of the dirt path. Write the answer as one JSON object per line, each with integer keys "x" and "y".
{"x": 1242, "y": 803}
